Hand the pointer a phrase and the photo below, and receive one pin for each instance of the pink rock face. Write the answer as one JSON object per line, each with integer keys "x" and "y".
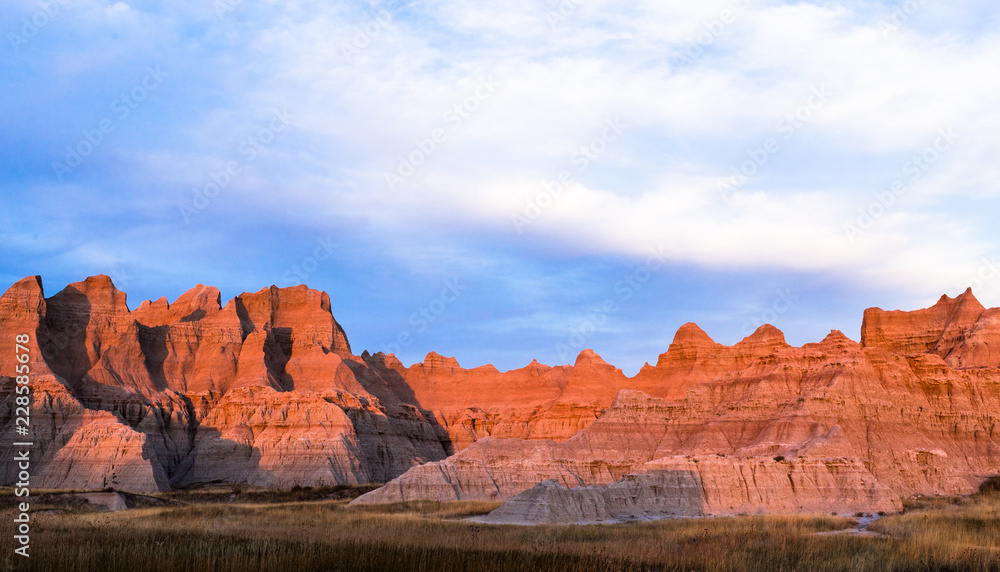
{"x": 703, "y": 486}
{"x": 959, "y": 330}
{"x": 266, "y": 390}
{"x": 142, "y": 399}
{"x": 862, "y": 425}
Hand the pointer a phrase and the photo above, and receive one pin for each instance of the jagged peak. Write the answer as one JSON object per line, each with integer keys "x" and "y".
{"x": 766, "y": 334}
{"x": 536, "y": 365}
{"x": 99, "y": 289}
{"x": 200, "y": 297}
{"x": 589, "y": 357}
{"x": 25, "y": 295}
{"x": 437, "y": 361}
{"x": 390, "y": 360}
{"x": 191, "y": 306}
{"x": 100, "y": 281}
{"x": 837, "y": 337}
{"x": 158, "y": 304}
{"x": 966, "y": 299}
{"x": 692, "y": 333}
{"x": 381, "y": 358}
{"x": 30, "y": 283}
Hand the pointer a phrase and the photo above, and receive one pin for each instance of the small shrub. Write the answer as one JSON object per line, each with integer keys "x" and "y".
{"x": 990, "y": 486}
{"x": 779, "y": 458}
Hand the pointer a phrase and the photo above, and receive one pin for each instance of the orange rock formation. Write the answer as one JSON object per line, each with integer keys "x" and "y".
{"x": 266, "y": 390}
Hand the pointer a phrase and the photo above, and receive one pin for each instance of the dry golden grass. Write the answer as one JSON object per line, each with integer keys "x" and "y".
{"x": 330, "y": 535}
{"x": 950, "y": 530}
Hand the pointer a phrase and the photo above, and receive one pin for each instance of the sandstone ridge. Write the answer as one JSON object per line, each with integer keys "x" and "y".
{"x": 265, "y": 389}
{"x": 834, "y": 423}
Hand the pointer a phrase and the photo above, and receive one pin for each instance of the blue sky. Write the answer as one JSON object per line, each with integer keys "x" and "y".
{"x": 515, "y": 180}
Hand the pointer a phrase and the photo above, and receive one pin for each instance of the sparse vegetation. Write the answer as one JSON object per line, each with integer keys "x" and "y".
{"x": 990, "y": 486}
{"x": 274, "y": 530}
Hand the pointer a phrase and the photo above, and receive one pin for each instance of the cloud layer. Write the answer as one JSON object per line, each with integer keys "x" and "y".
{"x": 540, "y": 151}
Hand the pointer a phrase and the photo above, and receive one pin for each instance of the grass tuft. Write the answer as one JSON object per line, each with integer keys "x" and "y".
{"x": 291, "y": 530}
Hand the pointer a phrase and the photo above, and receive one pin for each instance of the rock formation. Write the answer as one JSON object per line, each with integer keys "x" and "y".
{"x": 267, "y": 390}
{"x": 703, "y": 486}
{"x": 862, "y": 422}
{"x": 264, "y": 390}
{"x": 958, "y": 330}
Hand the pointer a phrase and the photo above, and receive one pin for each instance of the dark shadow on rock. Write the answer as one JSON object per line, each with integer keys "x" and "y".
{"x": 637, "y": 497}
{"x": 386, "y": 379}
{"x": 246, "y": 324}
{"x": 392, "y": 378}
{"x": 212, "y": 455}
{"x": 194, "y": 316}
{"x": 64, "y": 337}
{"x": 153, "y": 343}
{"x": 277, "y": 352}
{"x": 150, "y": 454}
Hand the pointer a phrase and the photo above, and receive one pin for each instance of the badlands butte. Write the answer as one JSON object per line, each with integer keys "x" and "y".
{"x": 266, "y": 390}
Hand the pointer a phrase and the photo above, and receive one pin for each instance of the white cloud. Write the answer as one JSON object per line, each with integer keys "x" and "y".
{"x": 689, "y": 124}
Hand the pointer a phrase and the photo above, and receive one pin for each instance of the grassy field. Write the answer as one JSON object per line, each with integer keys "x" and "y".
{"x": 313, "y": 529}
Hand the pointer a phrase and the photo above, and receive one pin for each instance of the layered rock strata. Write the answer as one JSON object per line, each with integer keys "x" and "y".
{"x": 900, "y": 423}
{"x": 267, "y": 390}
{"x": 687, "y": 487}
{"x": 264, "y": 390}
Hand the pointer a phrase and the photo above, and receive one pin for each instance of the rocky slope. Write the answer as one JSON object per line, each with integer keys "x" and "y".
{"x": 267, "y": 390}
{"x": 889, "y": 413}
{"x": 264, "y": 390}
{"x": 703, "y": 486}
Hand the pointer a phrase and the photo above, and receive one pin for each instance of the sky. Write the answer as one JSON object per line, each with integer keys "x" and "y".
{"x": 510, "y": 180}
